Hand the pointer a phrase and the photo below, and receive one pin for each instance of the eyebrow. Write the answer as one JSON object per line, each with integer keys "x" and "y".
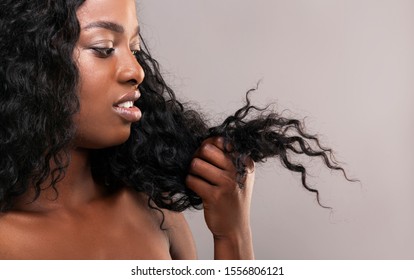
{"x": 115, "y": 27}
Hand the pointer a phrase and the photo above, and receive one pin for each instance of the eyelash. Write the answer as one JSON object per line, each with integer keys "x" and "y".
{"x": 106, "y": 52}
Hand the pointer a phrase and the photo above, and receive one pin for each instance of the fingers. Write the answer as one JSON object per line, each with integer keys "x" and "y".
{"x": 221, "y": 158}
{"x": 213, "y": 176}
{"x": 211, "y": 167}
{"x": 212, "y": 151}
{"x": 199, "y": 186}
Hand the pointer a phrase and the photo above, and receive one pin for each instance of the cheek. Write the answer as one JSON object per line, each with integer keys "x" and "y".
{"x": 98, "y": 126}
{"x": 96, "y": 132}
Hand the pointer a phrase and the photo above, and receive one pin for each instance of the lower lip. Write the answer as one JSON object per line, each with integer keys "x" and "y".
{"x": 132, "y": 114}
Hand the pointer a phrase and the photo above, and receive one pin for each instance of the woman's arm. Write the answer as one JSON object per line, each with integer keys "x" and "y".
{"x": 213, "y": 177}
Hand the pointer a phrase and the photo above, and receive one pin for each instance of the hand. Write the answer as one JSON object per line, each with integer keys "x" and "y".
{"x": 213, "y": 177}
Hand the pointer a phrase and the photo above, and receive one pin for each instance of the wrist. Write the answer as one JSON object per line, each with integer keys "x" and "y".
{"x": 237, "y": 245}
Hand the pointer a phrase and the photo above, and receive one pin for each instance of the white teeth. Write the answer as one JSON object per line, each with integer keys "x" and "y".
{"x": 127, "y": 104}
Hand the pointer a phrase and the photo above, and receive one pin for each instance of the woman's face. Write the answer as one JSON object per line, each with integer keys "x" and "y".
{"x": 109, "y": 72}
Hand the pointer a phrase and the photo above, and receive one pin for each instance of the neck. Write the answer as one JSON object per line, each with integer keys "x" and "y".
{"x": 77, "y": 188}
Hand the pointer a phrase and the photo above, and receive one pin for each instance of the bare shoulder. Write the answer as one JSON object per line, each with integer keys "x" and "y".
{"x": 9, "y": 235}
{"x": 174, "y": 225}
{"x": 3, "y": 238}
{"x": 182, "y": 244}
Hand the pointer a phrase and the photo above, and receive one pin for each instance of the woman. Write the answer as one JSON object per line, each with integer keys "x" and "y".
{"x": 99, "y": 158}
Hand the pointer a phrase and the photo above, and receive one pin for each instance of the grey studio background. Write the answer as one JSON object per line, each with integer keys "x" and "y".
{"x": 345, "y": 65}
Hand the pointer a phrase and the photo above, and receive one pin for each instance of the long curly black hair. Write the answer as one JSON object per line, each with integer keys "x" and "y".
{"x": 38, "y": 98}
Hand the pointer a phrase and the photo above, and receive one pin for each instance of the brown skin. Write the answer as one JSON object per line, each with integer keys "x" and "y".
{"x": 212, "y": 176}
{"x": 84, "y": 222}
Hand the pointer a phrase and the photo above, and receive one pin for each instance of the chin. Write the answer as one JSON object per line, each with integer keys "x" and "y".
{"x": 117, "y": 138}
{"x": 106, "y": 140}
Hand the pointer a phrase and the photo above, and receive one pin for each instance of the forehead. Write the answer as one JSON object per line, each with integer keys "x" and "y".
{"x": 122, "y": 12}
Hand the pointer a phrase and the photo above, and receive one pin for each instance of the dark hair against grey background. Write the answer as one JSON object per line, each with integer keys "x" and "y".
{"x": 39, "y": 76}
{"x": 348, "y": 65}
{"x": 298, "y": 62}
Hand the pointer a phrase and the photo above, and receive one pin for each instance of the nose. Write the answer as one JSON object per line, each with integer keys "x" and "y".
{"x": 130, "y": 71}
